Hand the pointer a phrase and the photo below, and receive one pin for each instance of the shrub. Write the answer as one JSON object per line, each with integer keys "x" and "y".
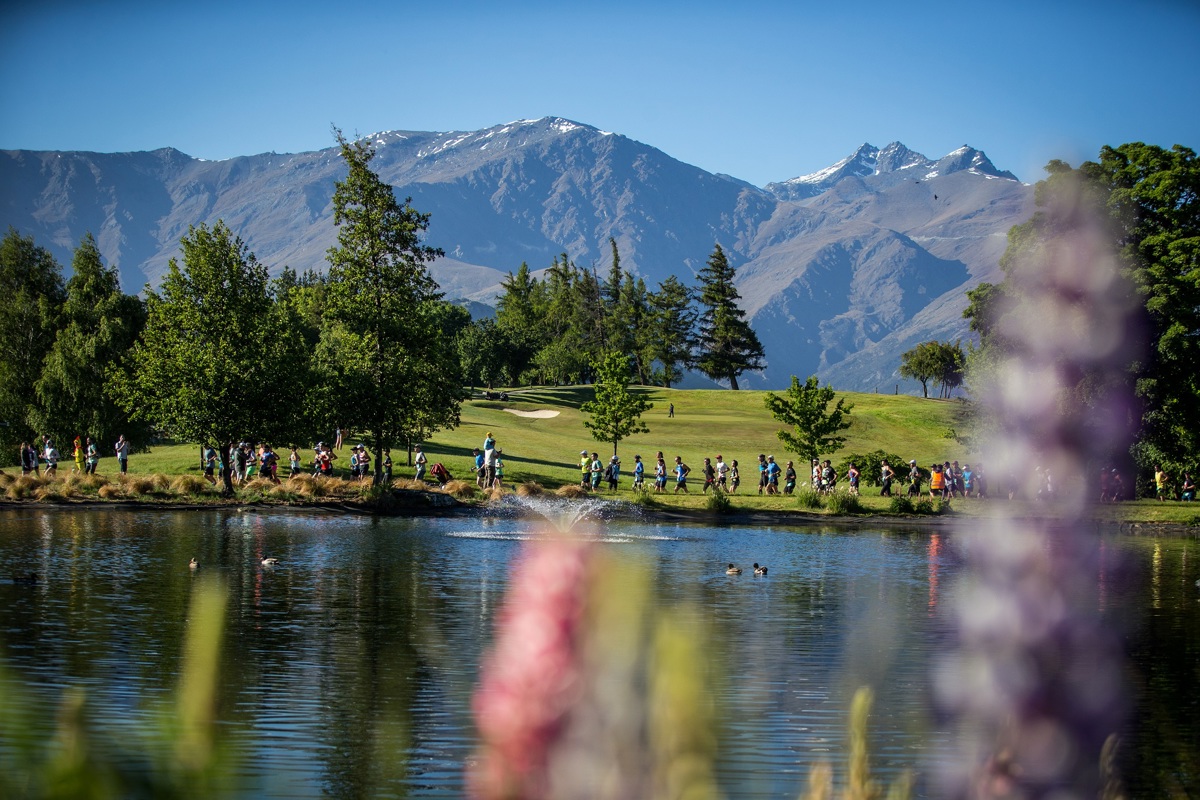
{"x": 807, "y": 497}
{"x": 718, "y": 503}
{"x": 870, "y": 466}
{"x": 942, "y": 507}
{"x": 844, "y": 503}
{"x": 530, "y": 489}
{"x": 924, "y": 507}
{"x": 901, "y": 504}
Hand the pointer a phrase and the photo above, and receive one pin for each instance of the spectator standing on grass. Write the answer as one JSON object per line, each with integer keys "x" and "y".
{"x": 613, "y": 472}
{"x": 585, "y": 470}
{"x": 480, "y": 470}
{"x": 639, "y": 474}
{"x": 387, "y": 465}
{"x": 122, "y": 450}
{"x": 421, "y": 461}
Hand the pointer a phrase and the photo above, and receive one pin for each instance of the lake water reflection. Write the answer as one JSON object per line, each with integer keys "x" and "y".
{"x": 348, "y": 668}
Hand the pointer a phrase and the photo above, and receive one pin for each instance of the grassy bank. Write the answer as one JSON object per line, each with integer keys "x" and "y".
{"x": 545, "y": 450}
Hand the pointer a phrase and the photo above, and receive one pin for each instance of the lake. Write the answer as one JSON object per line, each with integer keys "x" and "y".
{"x": 348, "y": 669}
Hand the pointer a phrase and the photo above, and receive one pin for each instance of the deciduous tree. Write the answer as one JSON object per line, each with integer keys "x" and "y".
{"x": 815, "y": 427}
{"x": 616, "y": 412}
{"x": 218, "y": 360}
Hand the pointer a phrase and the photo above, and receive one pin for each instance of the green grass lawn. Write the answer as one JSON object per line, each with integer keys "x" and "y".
{"x": 706, "y": 422}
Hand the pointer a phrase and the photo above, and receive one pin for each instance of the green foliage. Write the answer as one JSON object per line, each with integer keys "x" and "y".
{"x": 482, "y": 352}
{"x": 718, "y": 502}
{"x": 32, "y": 287}
{"x": 99, "y": 324}
{"x": 870, "y": 467}
{"x": 387, "y": 365}
{"x": 216, "y": 352}
{"x": 844, "y": 503}
{"x": 728, "y": 346}
{"x": 940, "y": 361}
{"x": 671, "y": 340}
{"x": 616, "y": 413}
{"x": 901, "y": 504}
{"x": 925, "y": 506}
{"x": 807, "y": 497}
{"x": 815, "y": 427}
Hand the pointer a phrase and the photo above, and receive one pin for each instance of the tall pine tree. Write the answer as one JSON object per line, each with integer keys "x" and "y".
{"x": 728, "y": 346}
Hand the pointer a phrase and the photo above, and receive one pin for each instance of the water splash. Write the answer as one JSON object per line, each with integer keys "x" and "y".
{"x": 564, "y": 515}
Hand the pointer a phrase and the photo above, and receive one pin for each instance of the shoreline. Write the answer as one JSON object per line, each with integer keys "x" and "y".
{"x": 415, "y": 503}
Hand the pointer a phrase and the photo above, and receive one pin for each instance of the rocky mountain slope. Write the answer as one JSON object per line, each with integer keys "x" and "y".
{"x": 840, "y": 271}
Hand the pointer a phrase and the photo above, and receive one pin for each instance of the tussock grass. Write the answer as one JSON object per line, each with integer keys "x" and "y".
{"x": 189, "y": 484}
{"x": 6, "y": 480}
{"x": 530, "y": 489}
{"x": 111, "y": 491}
{"x": 460, "y": 489}
{"x": 571, "y": 491}
{"x": 260, "y": 485}
{"x": 301, "y": 486}
{"x": 137, "y": 484}
{"x": 411, "y": 484}
{"x": 161, "y": 482}
{"x": 496, "y": 494}
{"x": 23, "y": 487}
{"x": 51, "y": 491}
{"x": 281, "y": 492}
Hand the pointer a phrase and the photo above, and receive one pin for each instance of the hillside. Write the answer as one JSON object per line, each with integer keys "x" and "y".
{"x": 839, "y": 271}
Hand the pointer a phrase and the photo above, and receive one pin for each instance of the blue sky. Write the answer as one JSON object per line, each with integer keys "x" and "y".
{"x": 763, "y": 91}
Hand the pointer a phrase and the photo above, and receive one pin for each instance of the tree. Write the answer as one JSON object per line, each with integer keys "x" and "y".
{"x": 388, "y": 368}
{"x": 940, "y": 361}
{"x": 481, "y": 349}
{"x": 31, "y": 282}
{"x": 616, "y": 413}
{"x": 921, "y": 364}
{"x": 728, "y": 345}
{"x": 815, "y": 426}
{"x": 100, "y": 323}
{"x": 672, "y": 326}
{"x": 218, "y": 360}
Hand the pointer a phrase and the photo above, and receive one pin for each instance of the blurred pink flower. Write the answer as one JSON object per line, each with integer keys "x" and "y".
{"x": 533, "y": 673}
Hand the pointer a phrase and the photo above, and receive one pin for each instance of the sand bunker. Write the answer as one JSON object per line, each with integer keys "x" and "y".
{"x": 543, "y": 413}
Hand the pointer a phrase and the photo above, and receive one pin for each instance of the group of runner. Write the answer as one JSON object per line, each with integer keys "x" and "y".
{"x": 85, "y": 453}
{"x": 946, "y": 480}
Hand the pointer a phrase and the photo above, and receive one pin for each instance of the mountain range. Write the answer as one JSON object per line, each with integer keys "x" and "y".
{"x": 840, "y": 271}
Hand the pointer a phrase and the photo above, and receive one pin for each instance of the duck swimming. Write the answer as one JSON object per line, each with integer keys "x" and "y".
{"x": 759, "y": 570}
{"x": 733, "y": 570}
{"x": 270, "y": 562}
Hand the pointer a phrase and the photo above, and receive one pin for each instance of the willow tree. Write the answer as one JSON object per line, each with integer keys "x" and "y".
{"x": 387, "y": 369}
